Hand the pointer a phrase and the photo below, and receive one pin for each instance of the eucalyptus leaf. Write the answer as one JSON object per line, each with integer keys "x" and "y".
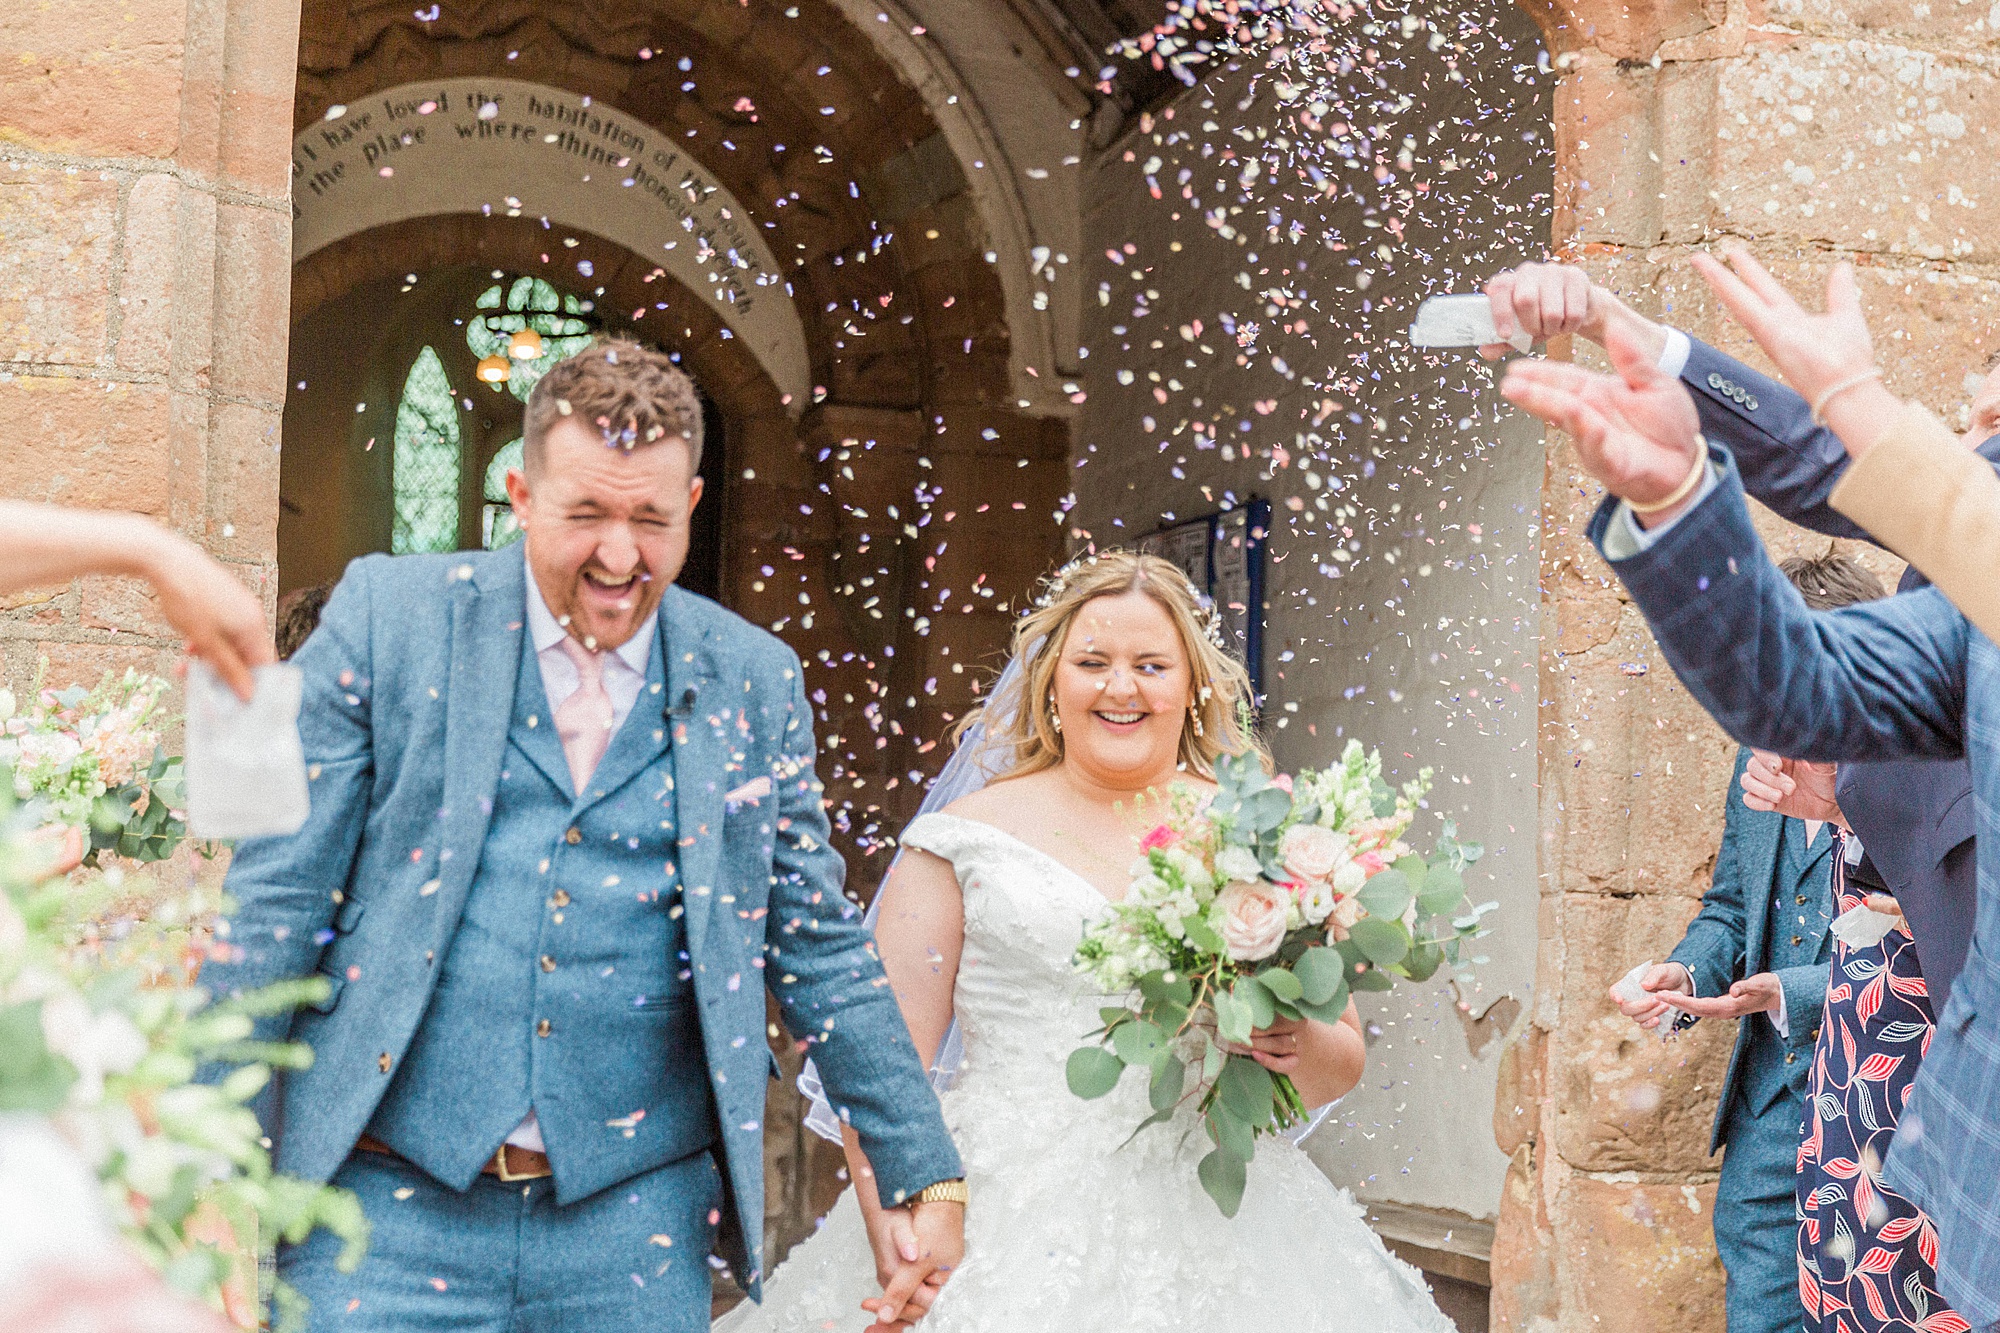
{"x": 1169, "y": 1077}
{"x": 1280, "y": 983}
{"x": 1372, "y": 980}
{"x": 1412, "y": 868}
{"x": 1231, "y": 1133}
{"x": 1201, "y": 936}
{"x": 1232, "y": 1018}
{"x": 1423, "y": 962}
{"x": 1265, "y": 810}
{"x": 1212, "y": 1059}
{"x": 1443, "y": 891}
{"x": 1319, "y": 974}
{"x": 1224, "y": 1178}
{"x": 1093, "y": 1071}
{"x": 1251, "y": 993}
{"x": 1137, "y": 1042}
{"x": 1158, "y": 988}
{"x": 1245, "y": 1088}
{"x": 1384, "y": 943}
{"x": 1387, "y": 895}
{"x": 1331, "y": 1009}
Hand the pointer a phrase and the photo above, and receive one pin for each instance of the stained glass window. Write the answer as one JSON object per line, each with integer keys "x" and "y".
{"x": 425, "y": 469}
{"x": 527, "y": 303}
{"x": 500, "y": 527}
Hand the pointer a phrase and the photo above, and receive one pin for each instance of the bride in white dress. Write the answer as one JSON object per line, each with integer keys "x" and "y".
{"x": 1066, "y": 1231}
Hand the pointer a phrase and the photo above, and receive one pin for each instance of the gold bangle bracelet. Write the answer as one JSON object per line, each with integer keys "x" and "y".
{"x": 945, "y": 1191}
{"x": 1686, "y": 488}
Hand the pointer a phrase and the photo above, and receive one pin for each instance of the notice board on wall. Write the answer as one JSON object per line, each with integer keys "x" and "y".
{"x": 1223, "y": 556}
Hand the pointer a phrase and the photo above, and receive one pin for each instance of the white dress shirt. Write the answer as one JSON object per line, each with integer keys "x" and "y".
{"x": 624, "y": 676}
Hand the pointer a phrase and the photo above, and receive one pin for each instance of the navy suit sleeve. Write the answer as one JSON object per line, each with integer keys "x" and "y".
{"x": 1879, "y": 680}
{"x": 1785, "y": 460}
{"x": 1712, "y": 949}
{"x": 286, "y": 891}
{"x": 830, "y": 987}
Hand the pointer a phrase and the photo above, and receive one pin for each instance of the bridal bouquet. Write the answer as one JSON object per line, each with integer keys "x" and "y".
{"x": 92, "y": 759}
{"x": 1277, "y": 897}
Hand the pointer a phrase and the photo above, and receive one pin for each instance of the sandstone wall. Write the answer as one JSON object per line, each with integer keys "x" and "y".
{"x": 1814, "y": 132}
{"x": 145, "y": 240}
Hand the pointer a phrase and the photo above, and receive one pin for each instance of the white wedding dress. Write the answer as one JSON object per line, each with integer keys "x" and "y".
{"x": 1067, "y": 1233}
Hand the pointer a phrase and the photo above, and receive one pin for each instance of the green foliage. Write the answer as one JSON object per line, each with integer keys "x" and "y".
{"x": 1093, "y": 1071}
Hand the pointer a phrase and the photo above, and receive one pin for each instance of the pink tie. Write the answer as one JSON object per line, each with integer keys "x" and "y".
{"x": 584, "y": 719}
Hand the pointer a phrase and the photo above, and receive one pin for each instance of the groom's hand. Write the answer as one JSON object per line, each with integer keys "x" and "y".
{"x": 929, "y": 1241}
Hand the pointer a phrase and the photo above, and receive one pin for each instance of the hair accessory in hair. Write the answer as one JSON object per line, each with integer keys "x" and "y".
{"x": 1057, "y": 585}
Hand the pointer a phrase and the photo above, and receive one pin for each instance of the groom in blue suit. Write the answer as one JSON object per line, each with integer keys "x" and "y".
{"x": 565, "y": 835}
{"x": 1906, "y": 677}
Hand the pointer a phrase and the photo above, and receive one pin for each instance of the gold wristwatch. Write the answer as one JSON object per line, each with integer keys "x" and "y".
{"x": 945, "y": 1191}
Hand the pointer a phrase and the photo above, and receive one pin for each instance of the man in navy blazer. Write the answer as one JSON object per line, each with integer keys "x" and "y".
{"x": 565, "y": 836}
{"x": 1912, "y": 817}
{"x": 1760, "y": 939}
{"x": 1906, "y": 677}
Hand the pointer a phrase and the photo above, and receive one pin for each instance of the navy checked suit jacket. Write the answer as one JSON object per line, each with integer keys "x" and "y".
{"x": 1906, "y": 677}
{"x": 1914, "y": 816}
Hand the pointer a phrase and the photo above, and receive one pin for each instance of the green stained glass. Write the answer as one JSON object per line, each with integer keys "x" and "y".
{"x": 426, "y": 466}
{"x": 499, "y": 524}
{"x": 528, "y": 303}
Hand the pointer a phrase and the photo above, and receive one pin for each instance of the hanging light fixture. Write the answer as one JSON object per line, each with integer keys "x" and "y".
{"x": 526, "y": 345}
{"x": 494, "y": 370}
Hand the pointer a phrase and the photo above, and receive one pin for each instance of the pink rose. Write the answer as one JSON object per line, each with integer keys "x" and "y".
{"x": 1253, "y": 919}
{"x": 1371, "y": 864}
{"x": 1311, "y": 853}
{"x": 1341, "y": 920}
{"x": 1283, "y": 782}
{"x": 1160, "y": 836}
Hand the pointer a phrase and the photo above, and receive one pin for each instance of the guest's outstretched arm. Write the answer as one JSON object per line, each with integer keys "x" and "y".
{"x": 1913, "y": 485}
{"x": 1880, "y": 680}
{"x": 222, "y": 621}
{"x": 1787, "y": 460}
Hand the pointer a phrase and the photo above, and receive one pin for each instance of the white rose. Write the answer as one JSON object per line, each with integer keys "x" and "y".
{"x": 1233, "y": 863}
{"x": 1253, "y": 914}
{"x": 1349, "y": 879}
{"x": 1317, "y": 901}
{"x": 1311, "y": 852}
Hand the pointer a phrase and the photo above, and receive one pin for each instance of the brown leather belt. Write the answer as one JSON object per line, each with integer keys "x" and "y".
{"x": 509, "y": 1163}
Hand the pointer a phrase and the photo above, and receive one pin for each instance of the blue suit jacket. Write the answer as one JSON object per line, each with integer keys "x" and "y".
{"x": 1726, "y": 942}
{"x": 1903, "y": 678}
{"x": 409, "y": 683}
{"x": 1914, "y": 816}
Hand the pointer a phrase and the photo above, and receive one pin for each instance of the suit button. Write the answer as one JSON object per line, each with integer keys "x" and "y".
{"x": 1791, "y": 1057}
{"x": 1802, "y": 900}
{"x": 1798, "y": 940}
{"x": 561, "y": 899}
{"x": 1815, "y": 1034}
{"x": 573, "y": 837}
{"x": 548, "y": 963}
{"x": 1714, "y": 380}
{"x": 542, "y": 1028}
{"x": 1750, "y": 403}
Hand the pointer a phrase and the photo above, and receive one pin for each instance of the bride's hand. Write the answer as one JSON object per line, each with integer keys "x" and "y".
{"x": 1814, "y": 352}
{"x": 1277, "y": 1046}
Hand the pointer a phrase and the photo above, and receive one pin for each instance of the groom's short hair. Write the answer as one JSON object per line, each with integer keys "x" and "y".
{"x": 631, "y": 395}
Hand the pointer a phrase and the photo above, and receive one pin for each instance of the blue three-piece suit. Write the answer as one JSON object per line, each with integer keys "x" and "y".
{"x": 497, "y": 942}
{"x": 1766, "y": 911}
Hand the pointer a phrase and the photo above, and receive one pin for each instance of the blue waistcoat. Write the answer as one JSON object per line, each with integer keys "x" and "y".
{"x": 1800, "y": 888}
{"x": 566, "y": 987}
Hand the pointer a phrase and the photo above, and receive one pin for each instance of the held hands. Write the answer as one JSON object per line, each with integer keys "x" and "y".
{"x": 1794, "y": 787}
{"x": 1636, "y": 431}
{"x": 1753, "y": 995}
{"x": 1551, "y": 300}
{"x": 917, "y": 1250}
{"x": 1661, "y": 980}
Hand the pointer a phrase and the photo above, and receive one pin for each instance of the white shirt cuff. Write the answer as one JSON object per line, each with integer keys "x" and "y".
{"x": 1779, "y": 1018}
{"x": 1674, "y": 356}
{"x": 1624, "y": 538}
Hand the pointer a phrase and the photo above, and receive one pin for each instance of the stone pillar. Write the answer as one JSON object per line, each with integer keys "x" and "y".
{"x": 1813, "y": 131}
{"x": 145, "y": 274}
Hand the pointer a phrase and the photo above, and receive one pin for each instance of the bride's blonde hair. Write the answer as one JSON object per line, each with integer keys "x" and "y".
{"x": 1217, "y": 720}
